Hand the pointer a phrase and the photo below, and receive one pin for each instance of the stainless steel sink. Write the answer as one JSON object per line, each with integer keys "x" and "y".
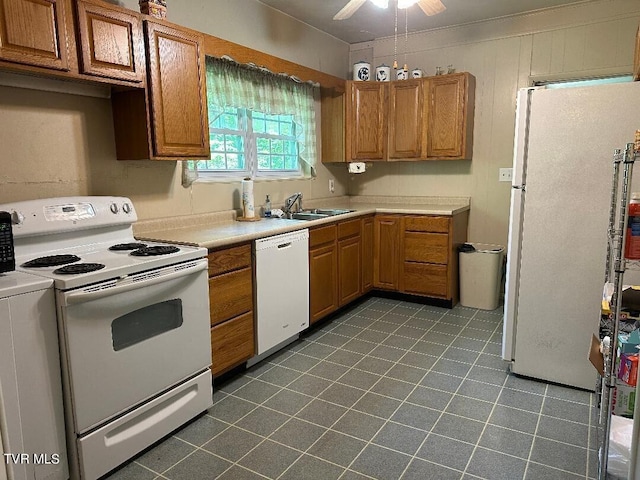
{"x": 308, "y": 216}
{"x": 317, "y": 213}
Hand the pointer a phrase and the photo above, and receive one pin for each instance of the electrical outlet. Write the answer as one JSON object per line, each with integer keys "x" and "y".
{"x": 332, "y": 187}
{"x": 505, "y": 174}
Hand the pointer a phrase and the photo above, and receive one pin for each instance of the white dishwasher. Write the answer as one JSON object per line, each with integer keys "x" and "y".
{"x": 282, "y": 290}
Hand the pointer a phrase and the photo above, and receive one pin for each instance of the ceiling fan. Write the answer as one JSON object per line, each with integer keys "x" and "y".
{"x": 429, "y": 7}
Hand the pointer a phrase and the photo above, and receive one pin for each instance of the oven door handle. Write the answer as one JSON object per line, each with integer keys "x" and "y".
{"x": 73, "y": 298}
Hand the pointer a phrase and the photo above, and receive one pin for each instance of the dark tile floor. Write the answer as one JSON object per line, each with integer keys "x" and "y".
{"x": 388, "y": 390}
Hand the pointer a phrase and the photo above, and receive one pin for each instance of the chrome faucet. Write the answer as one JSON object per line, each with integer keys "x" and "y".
{"x": 291, "y": 201}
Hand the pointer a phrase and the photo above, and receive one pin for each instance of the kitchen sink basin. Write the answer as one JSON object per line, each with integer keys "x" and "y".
{"x": 317, "y": 213}
{"x": 308, "y": 216}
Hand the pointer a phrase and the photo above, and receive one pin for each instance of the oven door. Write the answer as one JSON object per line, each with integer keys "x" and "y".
{"x": 130, "y": 339}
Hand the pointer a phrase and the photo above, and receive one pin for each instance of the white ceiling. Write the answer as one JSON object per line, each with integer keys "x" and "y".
{"x": 371, "y": 22}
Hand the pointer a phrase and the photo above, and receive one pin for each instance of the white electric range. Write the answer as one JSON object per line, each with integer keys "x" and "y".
{"x": 133, "y": 321}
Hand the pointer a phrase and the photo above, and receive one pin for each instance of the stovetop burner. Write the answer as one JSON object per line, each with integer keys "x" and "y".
{"x": 127, "y": 246}
{"x": 155, "y": 250}
{"x": 78, "y": 268}
{"x": 51, "y": 261}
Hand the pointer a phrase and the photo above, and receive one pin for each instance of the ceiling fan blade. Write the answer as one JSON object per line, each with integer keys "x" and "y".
{"x": 431, "y": 7}
{"x": 349, "y": 9}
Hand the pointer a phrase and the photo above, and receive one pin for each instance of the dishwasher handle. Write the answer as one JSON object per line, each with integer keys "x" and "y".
{"x": 283, "y": 240}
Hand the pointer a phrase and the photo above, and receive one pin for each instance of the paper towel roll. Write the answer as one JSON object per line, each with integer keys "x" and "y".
{"x": 248, "y": 210}
{"x": 357, "y": 167}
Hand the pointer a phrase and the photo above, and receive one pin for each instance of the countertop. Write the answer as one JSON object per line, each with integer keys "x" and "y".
{"x": 222, "y": 229}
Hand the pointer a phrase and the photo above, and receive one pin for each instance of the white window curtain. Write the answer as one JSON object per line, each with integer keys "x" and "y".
{"x": 230, "y": 84}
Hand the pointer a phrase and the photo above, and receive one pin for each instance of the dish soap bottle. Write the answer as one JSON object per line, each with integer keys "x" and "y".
{"x": 267, "y": 207}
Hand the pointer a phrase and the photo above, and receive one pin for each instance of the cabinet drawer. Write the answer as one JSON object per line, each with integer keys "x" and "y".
{"x": 322, "y": 235}
{"x": 426, "y": 247}
{"x": 425, "y": 279}
{"x": 348, "y": 229}
{"x": 232, "y": 343}
{"x": 230, "y": 295}
{"x": 426, "y": 224}
{"x": 229, "y": 259}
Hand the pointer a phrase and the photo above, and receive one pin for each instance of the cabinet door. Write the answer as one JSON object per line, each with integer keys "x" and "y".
{"x": 349, "y": 270}
{"x": 387, "y": 252}
{"x": 450, "y": 112}
{"x": 367, "y": 254}
{"x": 232, "y": 343}
{"x": 177, "y": 90}
{"x": 367, "y": 121}
{"x": 323, "y": 282}
{"x": 34, "y": 32}
{"x": 110, "y": 41}
{"x": 407, "y": 135}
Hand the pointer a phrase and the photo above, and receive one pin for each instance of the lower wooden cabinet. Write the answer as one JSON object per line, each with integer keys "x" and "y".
{"x": 232, "y": 343}
{"x": 425, "y": 279}
{"x": 323, "y": 272}
{"x": 349, "y": 261}
{"x": 412, "y": 254}
{"x": 230, "y": 294}
{"x": 429, "y": 256}
{"x": 387, "y": 251}
{"x": 367, "y": 254}
{"x": 231, "y": 307}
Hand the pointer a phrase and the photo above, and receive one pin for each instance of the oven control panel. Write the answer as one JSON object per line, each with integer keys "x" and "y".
{"x": 7, "y": 255}
{"x": 74, "y": 211}
{"x": 65, "y": 214}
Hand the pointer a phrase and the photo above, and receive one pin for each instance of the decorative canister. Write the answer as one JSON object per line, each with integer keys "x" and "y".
{"x": 361, "y": 71}
{"x": 416, "y": 73}
{"x": 383, "y": 73}
{"x": 402, "y": 73}
{"x": 155, "y": 8}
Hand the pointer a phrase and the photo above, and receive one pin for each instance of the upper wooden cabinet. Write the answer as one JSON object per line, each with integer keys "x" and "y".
{"x": 177, "y": 86}
{"x": 35, "y": 32}
{"x": 407, "y": 133}
{"x": 420, "y": 119}
{"x": 168, "y": 120}
{"x": 366, "y": 121}
{"x": 110, "y": 40}
{"x": 450, "y": 112}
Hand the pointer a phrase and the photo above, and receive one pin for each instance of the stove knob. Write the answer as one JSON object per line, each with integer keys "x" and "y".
{"x": 114, "y": 208}
{"x": 17, "y": 218}
{"x": 126, "y": 208}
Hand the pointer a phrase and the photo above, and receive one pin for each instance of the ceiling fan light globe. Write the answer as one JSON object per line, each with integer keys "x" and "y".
{"x": 406, "y": 3}
{"x": 380, "y": 3}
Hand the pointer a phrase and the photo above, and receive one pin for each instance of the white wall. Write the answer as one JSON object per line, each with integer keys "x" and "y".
{"x": 58, "y": 144}
{"x": 595, "y": 38}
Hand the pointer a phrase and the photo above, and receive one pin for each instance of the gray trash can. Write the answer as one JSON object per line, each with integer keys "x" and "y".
{"x": 480, "y": 275}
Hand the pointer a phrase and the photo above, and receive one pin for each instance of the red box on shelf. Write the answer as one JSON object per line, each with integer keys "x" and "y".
{"x": 628, "y": 370}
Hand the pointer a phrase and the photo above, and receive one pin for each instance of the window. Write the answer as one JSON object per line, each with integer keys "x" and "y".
{"x": 260, "y": 124}
{"x": 249, "y": 143}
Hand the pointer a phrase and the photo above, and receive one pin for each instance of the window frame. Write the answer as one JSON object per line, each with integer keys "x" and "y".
{"x": 250, "y": 143}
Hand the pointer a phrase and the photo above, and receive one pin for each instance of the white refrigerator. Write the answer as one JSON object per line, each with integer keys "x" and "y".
{"x": 560, "y": 197}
